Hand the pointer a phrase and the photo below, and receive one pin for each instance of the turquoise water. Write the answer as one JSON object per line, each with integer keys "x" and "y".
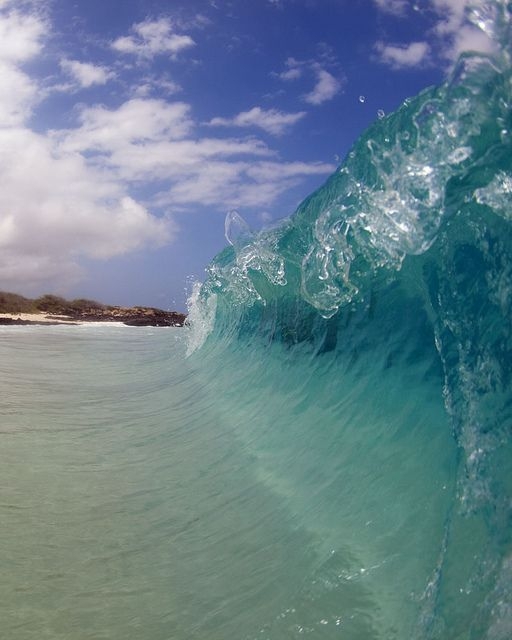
{"x": 370, "y": 334}
{"x": 150, "y": 495}
{"x": 128, "y": 508}
{"x": 325, "y": 451}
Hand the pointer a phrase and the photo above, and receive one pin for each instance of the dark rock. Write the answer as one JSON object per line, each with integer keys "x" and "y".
{"x": 131, "y": 316}
{"x": 19, "y": 322}
{"x": 83, "y": 310}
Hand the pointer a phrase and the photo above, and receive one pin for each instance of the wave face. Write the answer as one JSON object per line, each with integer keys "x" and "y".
{"x": 365, "y": 346}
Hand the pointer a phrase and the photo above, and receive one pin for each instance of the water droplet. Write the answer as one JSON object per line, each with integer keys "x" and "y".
{"x": 362, "y": 99}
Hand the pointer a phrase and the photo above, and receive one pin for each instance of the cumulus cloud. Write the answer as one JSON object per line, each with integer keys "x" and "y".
{"x": 401, "y": 56}
{"x": 137, "y": 121}
{"x": 55, "y": 208}
{"x": 293, "y": 70}
{"x": 156, "y": 142}
{"x": 467, "y": 38}
{"x": 69, "y": 193}
{"x": 152, "y": 38}
{"x": 452, "y": 34}
{"x": 396, "y": 7}
{"x": 19, "y": 92}
{"x": 85, "y": 73}
{"x": 271, "y": 120}
{"x": 153, "y": 84}
{"x": 20, "y": 40}
{"x": 20, "y": 36}
{"x": 456, "y": 32}
{"x": 241, "y": 183}
{"x": 153, "y": 140}
{"x": 326, "y": 87}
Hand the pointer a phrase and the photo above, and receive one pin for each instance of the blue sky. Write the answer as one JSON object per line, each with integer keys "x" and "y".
{"x": 129, "y": 128}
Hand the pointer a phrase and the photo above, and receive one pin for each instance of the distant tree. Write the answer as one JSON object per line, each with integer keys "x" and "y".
{"x": 52, "y": 304}
{"x": 81, "y": 304}
{"x": 14, "y": 303}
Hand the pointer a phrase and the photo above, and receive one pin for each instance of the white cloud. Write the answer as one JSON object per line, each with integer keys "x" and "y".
{"x": 20, "y": 40}
{"x": 267, "y": 171}
{"x": 452, "y": 34}
{"x": 451, "y": 13}
{"x": 272, "y": 120}
{"x": 177, "y": 160}
{"x": 150, "y": 85}
{"x": 235, "y": 184}
{"x": 467, "y": 38}
{"x": 54, "y": 208}
{"x": 293, "y": 71}
{"x": 20, "y": 37}
{"x": 87, "y": 74}
{"x": 68, "y": 194}
{"x": 154, "y": 141}
{"x": 135, "y": 121}
{"x": 327, "y": 86}
{"x": 291, "y": 74}
{"x": 400, "y": 56}
{"x": 396, "y": 7}
{"x": 210, "y": 172}
{"x": 17, "y": 97}
{"x": 151, "y": 38}
{"x": 456, "y": 32}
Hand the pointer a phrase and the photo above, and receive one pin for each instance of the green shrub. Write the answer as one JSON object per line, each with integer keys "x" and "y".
{"x": 14, "y": 303}
{"x": 52, "y": 304}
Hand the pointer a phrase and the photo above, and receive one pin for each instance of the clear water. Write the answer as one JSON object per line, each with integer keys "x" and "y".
{"x": 326, "y": 450}
{"x": 128, "y": 509}
{"x": 142, "y": 499}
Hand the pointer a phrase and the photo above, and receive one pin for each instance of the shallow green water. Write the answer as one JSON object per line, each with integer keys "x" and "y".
{"x": 127, "y": 508}
{"x": 142, "y": 498}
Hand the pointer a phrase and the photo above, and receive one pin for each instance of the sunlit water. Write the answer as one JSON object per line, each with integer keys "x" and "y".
{"x": 142, "y": 499}
{"x": 326, "y": 450}
{"x": 128, "y": 509}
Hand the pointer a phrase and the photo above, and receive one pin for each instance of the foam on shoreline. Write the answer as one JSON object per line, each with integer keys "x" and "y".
{"x": 42, "y": 318}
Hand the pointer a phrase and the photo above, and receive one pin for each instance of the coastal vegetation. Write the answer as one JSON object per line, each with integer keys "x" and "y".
{"x": 15, "y": 303}
{"x": 82, "y": 309}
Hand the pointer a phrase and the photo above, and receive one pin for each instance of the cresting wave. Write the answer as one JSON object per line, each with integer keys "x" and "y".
{"x": 398, "y": 271}
{"x": 407, "y": 177}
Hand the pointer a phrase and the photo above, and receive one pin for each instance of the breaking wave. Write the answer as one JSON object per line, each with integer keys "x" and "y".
{"x": 366, "y": 342}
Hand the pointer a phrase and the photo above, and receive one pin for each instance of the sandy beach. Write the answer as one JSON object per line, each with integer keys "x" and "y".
{"x": 42, "y": 318}
{"x": 125, "y": 317}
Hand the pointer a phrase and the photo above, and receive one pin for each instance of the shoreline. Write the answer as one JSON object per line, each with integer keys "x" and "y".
{"x": 51, "y": 319}
{"x": 10, "y": 319}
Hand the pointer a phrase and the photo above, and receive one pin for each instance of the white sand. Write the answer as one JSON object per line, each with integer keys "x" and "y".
{"x": 38, "y": 317}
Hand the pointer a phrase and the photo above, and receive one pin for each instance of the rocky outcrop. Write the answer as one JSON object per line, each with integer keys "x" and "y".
{"x": 131, "y": 316}
{"x": 50, "y": 309}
